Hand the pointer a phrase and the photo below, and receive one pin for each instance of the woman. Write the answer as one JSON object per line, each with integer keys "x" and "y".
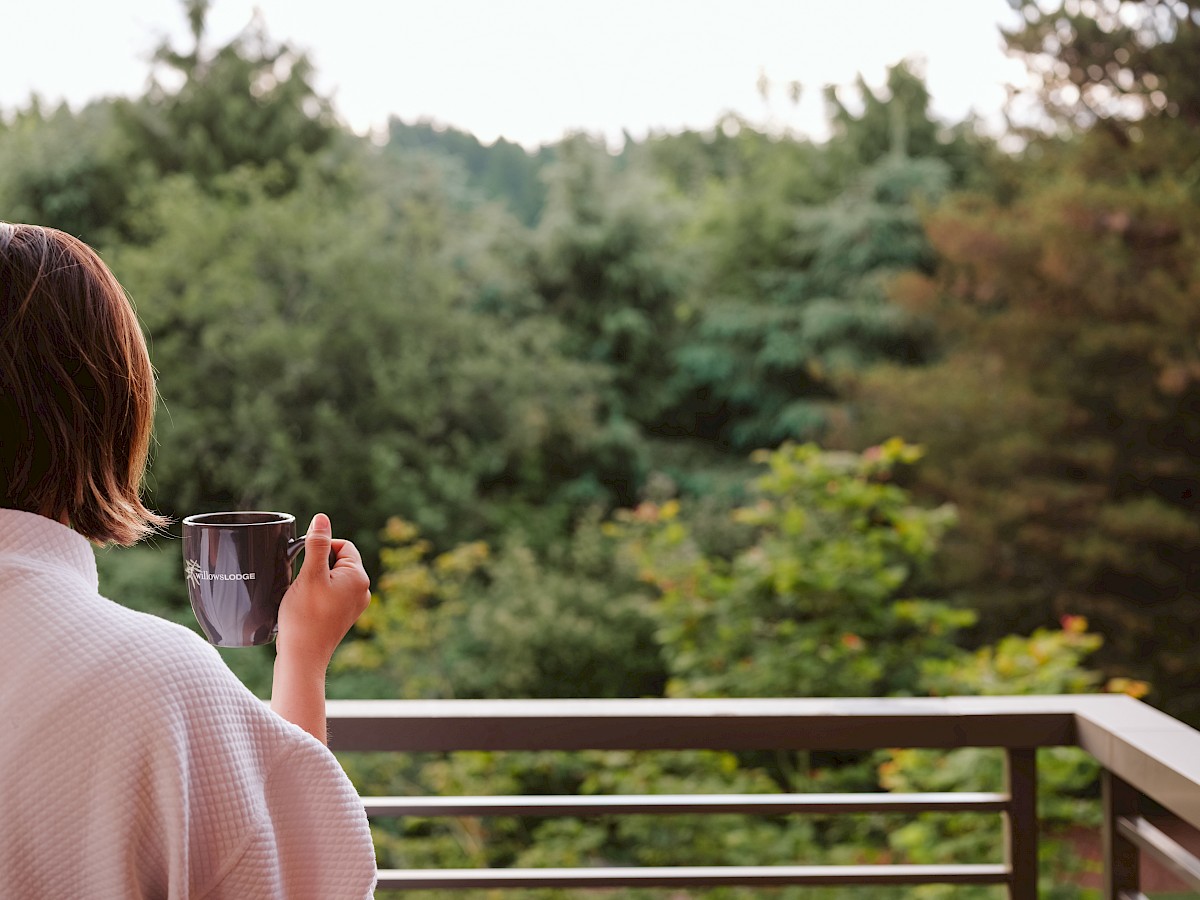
{"x": 133, "y": 764}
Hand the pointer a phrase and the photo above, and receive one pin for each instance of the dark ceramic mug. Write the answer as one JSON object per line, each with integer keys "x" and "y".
{"x": 238, "y": 566}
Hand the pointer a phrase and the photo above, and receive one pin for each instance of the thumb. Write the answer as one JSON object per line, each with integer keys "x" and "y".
{"x": 316, "y": 546}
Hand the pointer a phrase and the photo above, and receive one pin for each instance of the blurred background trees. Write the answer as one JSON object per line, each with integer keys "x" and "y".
{"x": 1115, "y": 63}
{"x": 1061, "y": 416}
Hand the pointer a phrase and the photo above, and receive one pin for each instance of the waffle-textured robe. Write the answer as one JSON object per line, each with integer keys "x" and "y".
{"x": 133, "y": 764}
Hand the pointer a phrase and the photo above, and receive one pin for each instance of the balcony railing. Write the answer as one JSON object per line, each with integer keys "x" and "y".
{"x": 1143, "y": 754}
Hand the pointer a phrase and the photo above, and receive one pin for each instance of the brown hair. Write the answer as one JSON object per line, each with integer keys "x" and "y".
{"x": 76, "y": 388}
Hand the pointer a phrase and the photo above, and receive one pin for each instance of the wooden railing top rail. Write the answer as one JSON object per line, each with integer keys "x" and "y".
{"x": 734, "y": 724}
{"x": 1149, "y": 750}
{"x": 1154, "y": 753}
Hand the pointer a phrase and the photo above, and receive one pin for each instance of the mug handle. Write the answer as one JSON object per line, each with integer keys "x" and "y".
{"x": 296, "y": 544}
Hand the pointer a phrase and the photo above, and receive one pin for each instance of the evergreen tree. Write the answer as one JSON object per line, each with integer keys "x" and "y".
{"x": 897, "y": 121}
{"x": 501, "y": 171}
{"x": 1112, "y": 61}
{"x": 72, "y": 171}
{"x": 800, "y": 241}
{"x": 761, "y": 367}
{"x": 604, "y": 264}
{"x": 249, "y": 102}
{"x": 1063, "y": 419}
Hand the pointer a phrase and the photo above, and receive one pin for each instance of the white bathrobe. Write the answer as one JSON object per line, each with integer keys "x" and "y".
{"x": 133, "y": 764}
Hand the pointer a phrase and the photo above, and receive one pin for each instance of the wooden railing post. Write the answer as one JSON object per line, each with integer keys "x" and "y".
{"x": 1021, "y": 824}
{"x": 1121, "y": 857}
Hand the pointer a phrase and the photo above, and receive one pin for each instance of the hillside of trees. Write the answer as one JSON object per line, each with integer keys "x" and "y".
{"x": 723, "y": 413}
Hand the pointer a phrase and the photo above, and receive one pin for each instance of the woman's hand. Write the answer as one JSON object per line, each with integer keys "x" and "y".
{"x": 322, "y": 603}
{"x": 315, "y": 614}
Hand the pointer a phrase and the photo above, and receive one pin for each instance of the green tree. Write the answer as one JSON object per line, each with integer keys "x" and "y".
{"x": 744, "y": 186}
{"x": 1113, "y": 62}
{"x": 604, "y": 265}
{"x": 473, "y": 623}
{"x": 815, "y": 604}
{"x": 760, "y": 366}
{"x": 316, "y": 352}
{"x": 501, "y": 171}
{"x": 1061, "y": 419}
{"x": 68, "y": 170}
{"x": 896, "y": 121}
{"x": 811, "y": 602}
{"x": 794, "y": 244}
{"x": 249, "y": 102}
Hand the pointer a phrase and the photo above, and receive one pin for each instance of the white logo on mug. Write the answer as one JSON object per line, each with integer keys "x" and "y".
{"x": 195, "y": 574}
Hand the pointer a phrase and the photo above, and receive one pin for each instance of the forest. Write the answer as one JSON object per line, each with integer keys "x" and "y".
{"x": 914, "y": 410}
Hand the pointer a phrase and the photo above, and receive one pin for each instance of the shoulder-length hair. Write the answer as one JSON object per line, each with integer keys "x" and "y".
{"x": 77, "y": 389}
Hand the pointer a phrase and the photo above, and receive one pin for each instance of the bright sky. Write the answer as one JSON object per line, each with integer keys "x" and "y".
{"x": 529, "y": 70}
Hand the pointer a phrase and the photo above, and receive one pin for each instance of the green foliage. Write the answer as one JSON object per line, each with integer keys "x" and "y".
{"x": 250, "y": 102}
{"x": 1047, "y": 662}
{"x": 1060, "y": 417}
{"x": 501, "y": 171}
{"x": 547, "y": 631}
{"x": 895, "y": 121}
{"x": 415, "y": 611}
{"x": 815, "y": 605}
{"x": 68, "y": 170}
{"x": 470, "y": 623}
{"x": 314, "y": 355}
{"x": 604, "y": 266}
{"x": 746, "y": 187}
{"x": 146, "y": 578}
{"x": 772, "y": 327}
{"x": 1111, "y": 61}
